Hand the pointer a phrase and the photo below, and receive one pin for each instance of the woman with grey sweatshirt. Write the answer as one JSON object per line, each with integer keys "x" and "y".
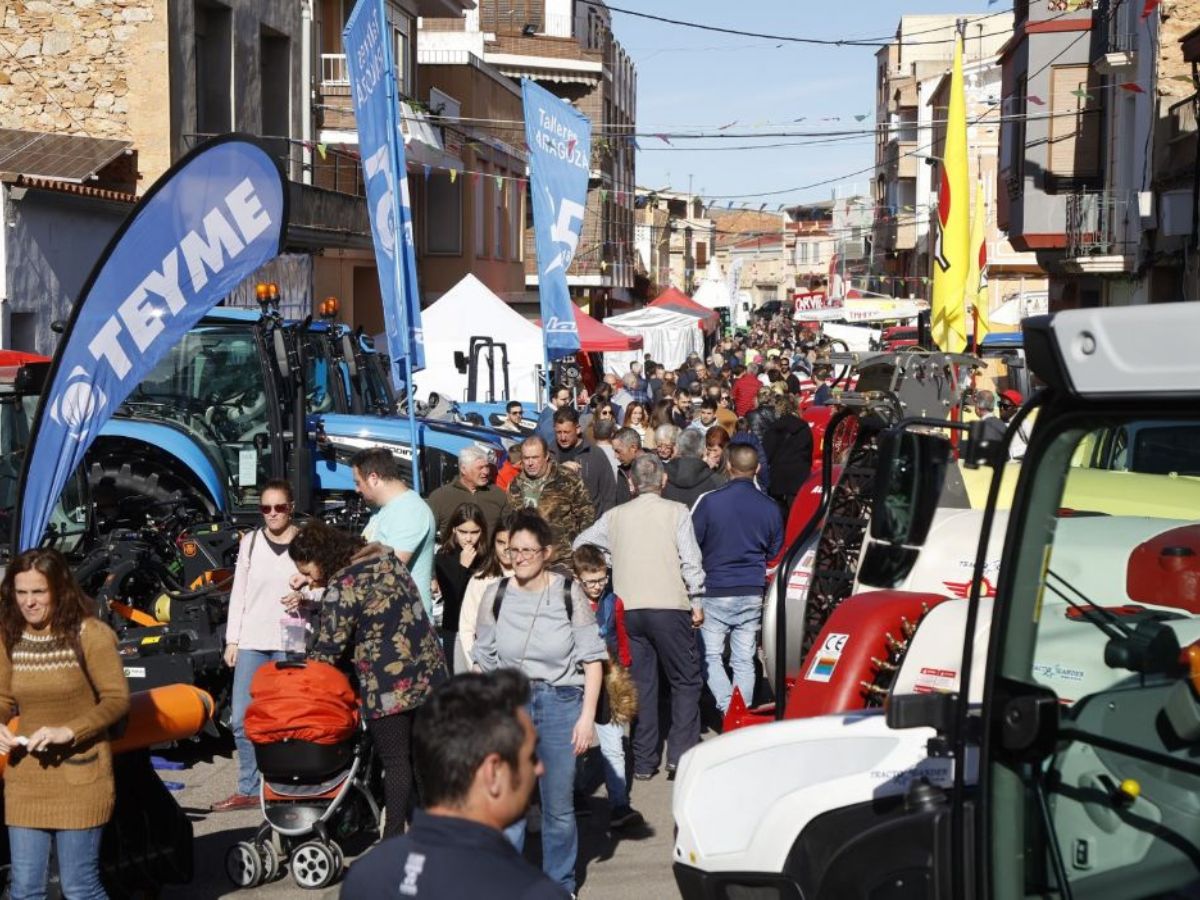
{"x": 541, "y": 623}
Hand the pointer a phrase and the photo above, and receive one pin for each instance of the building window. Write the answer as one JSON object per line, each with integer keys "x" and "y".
{"x": 516, "y": 222}
{"x": 402, "y": 31}
{"x": 499, "y": 194}
{"x": 1073, "y": 156}
{"x": 275, "y": 80}
{"x": 443, "y": 215}
{"x": 214, "y": 69}
{"x": 479, "y": 215}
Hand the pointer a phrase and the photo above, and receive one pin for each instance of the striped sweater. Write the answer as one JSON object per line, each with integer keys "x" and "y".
{"x": 71, "y": 786}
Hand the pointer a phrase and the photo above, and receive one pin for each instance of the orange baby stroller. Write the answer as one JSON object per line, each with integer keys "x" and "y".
{"x": 316, "y": 763}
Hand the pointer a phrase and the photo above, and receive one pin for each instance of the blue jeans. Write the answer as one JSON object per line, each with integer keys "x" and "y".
{"x": 739, "y": 618}
{"x": 554, "y": 711}
{"x": 248, "y": 662}
{"x": 612, "y": 750}
{"x": 78, "y": 862}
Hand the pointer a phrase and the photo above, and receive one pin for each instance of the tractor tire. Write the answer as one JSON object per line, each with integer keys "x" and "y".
{"x": 118, "y": 484}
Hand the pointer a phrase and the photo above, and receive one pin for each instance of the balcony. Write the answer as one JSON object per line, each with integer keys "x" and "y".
{"x": 1178, "y": 156}
{"x": 1098, "y": 234}
{"x": 901, "y": 158}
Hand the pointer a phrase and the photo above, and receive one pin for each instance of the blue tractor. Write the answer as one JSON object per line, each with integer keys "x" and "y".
{"x": 246, "y": 397}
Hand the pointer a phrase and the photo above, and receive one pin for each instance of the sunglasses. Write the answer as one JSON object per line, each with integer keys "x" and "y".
{"x": 278, "y": 507}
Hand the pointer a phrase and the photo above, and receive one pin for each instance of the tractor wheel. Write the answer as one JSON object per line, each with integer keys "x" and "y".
{"x": 123, "y": 487}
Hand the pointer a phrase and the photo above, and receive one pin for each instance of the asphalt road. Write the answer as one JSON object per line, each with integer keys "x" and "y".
{"x": 612, "y": 865}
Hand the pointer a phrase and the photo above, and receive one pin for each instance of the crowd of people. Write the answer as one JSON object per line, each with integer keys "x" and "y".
{"x": 495, "y": 631}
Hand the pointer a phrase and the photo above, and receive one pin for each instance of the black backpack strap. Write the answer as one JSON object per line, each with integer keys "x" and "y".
{"x": 498, "y": 599}
{"x": 568, "y": 600}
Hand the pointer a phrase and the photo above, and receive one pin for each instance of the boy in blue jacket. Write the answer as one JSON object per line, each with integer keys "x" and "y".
{"x": 592, "y": 571}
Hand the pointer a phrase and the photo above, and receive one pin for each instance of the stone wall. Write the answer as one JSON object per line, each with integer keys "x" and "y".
{"x": 90, "y": 67}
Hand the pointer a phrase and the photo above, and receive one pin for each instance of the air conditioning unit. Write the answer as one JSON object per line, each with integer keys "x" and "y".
{"x": 1175, "y": 213}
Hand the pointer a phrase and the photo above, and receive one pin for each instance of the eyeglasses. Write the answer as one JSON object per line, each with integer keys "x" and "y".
{"x": 267, "y": 508}
{"x": 594, "y": 582}
{"x": 516, "y": 412}
{"x": 524, "y": 552}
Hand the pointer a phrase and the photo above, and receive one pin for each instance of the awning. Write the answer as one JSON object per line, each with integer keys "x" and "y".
{"x": 671, "y": 298}
{"x": 596, "y": 337}
{"x": 422, "y": 140}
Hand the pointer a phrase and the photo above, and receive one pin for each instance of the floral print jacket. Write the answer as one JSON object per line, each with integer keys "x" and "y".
{"x": 372, "y": 625}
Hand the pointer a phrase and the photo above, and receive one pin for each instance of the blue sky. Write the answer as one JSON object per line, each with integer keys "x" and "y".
{"x": 688, "y": 77}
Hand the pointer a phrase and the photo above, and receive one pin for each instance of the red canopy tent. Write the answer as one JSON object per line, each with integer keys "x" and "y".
{"x": 596, "y": 337}
{"x": 678, "y": 301}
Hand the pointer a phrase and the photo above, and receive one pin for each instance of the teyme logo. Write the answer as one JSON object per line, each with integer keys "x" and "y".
{"x": 555, "y": 325}
{"x": 79, "y": 404}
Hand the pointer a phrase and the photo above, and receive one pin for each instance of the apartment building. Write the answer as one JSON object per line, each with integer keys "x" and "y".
{"x": 907, "y": 71}
{"x": 1098, "y": 155}
{"x": 568, "y": 48}
{"x": 813, "y": 243}
{"x": 652, "y": 246}
{"x": 759, "y": 246}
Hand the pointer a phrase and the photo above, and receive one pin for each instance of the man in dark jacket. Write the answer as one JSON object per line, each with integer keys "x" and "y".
{"x": 589, "y": 463}
{"x": 627, "y": 445}
{"x": 475, "y": 754}
{"x": 688, "y": 475}
{"x": 789, "y": 446}
{"x": 735, "y": 570}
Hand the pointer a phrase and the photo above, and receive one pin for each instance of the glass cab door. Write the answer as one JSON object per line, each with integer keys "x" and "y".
{"x": 1092, "y": 755}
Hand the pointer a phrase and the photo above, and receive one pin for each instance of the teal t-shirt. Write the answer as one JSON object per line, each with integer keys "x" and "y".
{"x": 406, "y": 523}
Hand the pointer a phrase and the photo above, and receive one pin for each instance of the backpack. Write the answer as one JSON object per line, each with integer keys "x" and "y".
{"x": 568, "y": 600}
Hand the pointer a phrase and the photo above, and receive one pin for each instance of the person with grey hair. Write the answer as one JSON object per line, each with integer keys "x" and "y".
{"x": 688, "y": 476}
{"x": 627, "y": 446}
{"x": 658, "y": 574}
{"x": 473, "y": 485}
{"x": 993, "y": 426}
{"x": 665, "y": 437}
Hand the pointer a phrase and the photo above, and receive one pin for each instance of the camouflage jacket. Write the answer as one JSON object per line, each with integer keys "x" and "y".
{"x": 373, "y": 626}
{"x": 562, "y": 499}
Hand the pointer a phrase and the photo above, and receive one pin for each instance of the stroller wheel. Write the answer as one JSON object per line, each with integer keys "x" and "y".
{"x": 243, "y": 865}
{"x": 314, "y": 865}
{"x": 270, "y": 861}
{"x": 339, "y": 858}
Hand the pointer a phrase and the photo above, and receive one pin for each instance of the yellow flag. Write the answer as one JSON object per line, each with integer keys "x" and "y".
{"x": 976, "y": 287}
{"x": 952, "y": 251}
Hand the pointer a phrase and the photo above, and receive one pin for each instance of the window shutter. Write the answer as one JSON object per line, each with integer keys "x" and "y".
{"x": 1075, "y": 126}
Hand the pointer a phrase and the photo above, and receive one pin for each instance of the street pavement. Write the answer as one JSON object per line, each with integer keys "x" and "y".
{"x": 612, "y": 865}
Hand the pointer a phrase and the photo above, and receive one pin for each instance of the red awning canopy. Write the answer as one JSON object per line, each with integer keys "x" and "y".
{"x": 678, "y": 301}
{"x": 596, "y": 337}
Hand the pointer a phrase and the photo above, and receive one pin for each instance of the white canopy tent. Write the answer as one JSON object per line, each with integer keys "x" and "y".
{"x": 470, "y": 309}
{"x": 667, "y": 336}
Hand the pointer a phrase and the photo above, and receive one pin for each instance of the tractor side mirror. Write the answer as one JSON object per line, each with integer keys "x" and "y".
{"x": 908, "y": 485}
{"x": 279, "y": 345}
{"x": 936, "y": 710}
{"x": 460, "y": 362}
{"x": 348, "y": 356}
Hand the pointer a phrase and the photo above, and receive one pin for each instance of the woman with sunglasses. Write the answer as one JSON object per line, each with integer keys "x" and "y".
{"x": 253, "y": 638}
{"x": 461, "y": 552}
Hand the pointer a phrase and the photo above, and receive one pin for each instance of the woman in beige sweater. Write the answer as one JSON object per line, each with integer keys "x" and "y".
{"x": 61, "y": 669}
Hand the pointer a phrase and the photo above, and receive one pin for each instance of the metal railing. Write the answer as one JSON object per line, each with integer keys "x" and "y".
{"x": 1096, "y": 223}
{"x": 1182, "y": 117}
{"x": 332, "y": 169}
{"x": 333, "y": 69}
